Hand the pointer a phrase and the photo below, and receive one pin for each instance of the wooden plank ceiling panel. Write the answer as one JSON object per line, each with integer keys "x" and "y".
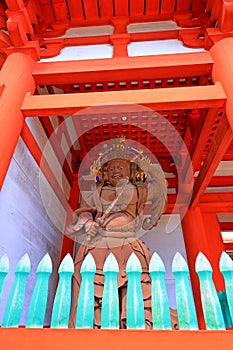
{"x": 60, "y": 10}
{"x": 75, "y": 9}
{"x": 106, "y": 8}
{"x": 167, "y": 6}
{"x": 183, "y": 5}
{"x": 47, "y": 10}
{"x": 198, "y": 5}
{"x": 121, "y": 8}
{"x": 91, "y": 10}
{"x": 137, "y": 8}
{"x": 152, "y": 7}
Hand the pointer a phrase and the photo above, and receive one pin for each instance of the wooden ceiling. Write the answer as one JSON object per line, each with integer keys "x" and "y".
{"x": 103, "y": 10}
{"x": 161, "y": 74}
{"x": 191, "y": 106}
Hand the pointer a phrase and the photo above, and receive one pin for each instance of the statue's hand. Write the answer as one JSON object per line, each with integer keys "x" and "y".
{"x": 77, "y": 227}
{"x": 91, "y": 229}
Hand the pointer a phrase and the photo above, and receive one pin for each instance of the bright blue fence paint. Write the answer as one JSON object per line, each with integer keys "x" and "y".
{"x": 37, "y": 309}
{"x": 110, "y": 301}
{"x": 226, "y": 268}
{"x": 135, "y": 318}
{"x": 85, "y": 309}
{"x": 187, "y": 318}
{"x": 4, "y": 269}
{"x": 62, "y": 301}
{"x": 159, "y": 300}
{"x": 210, "y": 302}
{"x": 15, "y": 301}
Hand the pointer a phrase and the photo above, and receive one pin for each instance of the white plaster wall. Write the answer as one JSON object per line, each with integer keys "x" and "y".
{"x": 48, "y": 153}
{"x": 159, "y": 47}
{"x": 25, "y": 226}
{"x": 82, "y": 52}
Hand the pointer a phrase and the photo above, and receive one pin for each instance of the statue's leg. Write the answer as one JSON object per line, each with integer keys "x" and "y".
{"x": 122, "y": 303}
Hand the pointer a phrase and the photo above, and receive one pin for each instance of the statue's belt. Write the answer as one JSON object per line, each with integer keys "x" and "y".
{"x": 116, "y": 233}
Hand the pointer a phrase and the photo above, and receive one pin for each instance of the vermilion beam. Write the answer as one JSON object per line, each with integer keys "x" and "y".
{"x": 221, "y": 181}
{"x": 226, "y": 226}
{"x": 221, "y": 202}
{"x": 105, "y": 70}
{"x": 160, "y": 99}
{"x": 201, "y": 142}
{"x": 218, "y": 147}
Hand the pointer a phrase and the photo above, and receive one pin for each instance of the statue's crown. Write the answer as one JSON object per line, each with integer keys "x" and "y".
{"x": 118, "y": 148}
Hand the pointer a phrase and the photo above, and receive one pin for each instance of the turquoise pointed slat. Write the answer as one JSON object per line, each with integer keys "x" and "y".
{"x": 4, "y": 269}
{"x": 62, "y": 301}
{"x": 210, "y": 302}
{"x": 159, "y": 300}
{"x": 37, "y": 309}
{"x": 85, "y": 309}
{"x": 15, "y": 301}
{"x": 225, "y": 308}
{"x": 135, "y": 318}
{"x": 187, "y": 318}
{"x": 110, "y": 301}
{"x": 226, "y": 268}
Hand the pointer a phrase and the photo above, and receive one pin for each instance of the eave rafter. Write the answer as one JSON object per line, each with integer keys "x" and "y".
{"x": 221, "y": 202}
{"x": 200, "y": 143}
{"x": 218, "y": 147}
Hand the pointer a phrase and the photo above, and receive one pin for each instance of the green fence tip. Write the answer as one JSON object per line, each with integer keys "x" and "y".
{"x": 24, "y": 264}
{"x": 4, "y": 264}
{"x": 133, "y": 264}
{"x": 67, "y": 264}
{"x": 111, "y": 264}
{"x": 225, "y": 264}
{"x": 45, "y": 265}
{"x": 88, "y": 264}
{"x": 156, "y": 264}
{"x": 202, "y": 263}
{"x": 179, "y": 264}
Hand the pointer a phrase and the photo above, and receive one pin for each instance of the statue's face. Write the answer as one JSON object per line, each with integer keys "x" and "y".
{"x": 117, "y": 169}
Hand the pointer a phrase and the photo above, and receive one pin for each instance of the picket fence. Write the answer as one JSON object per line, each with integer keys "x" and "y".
{"x": 213, "y": 311}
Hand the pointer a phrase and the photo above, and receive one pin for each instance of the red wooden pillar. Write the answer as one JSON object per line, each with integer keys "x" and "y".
{"x": 216, "y": 247}
{"x": 68, "y": 243}
{"x": 195, "y": 241}
{"x": 15, "y": 81}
